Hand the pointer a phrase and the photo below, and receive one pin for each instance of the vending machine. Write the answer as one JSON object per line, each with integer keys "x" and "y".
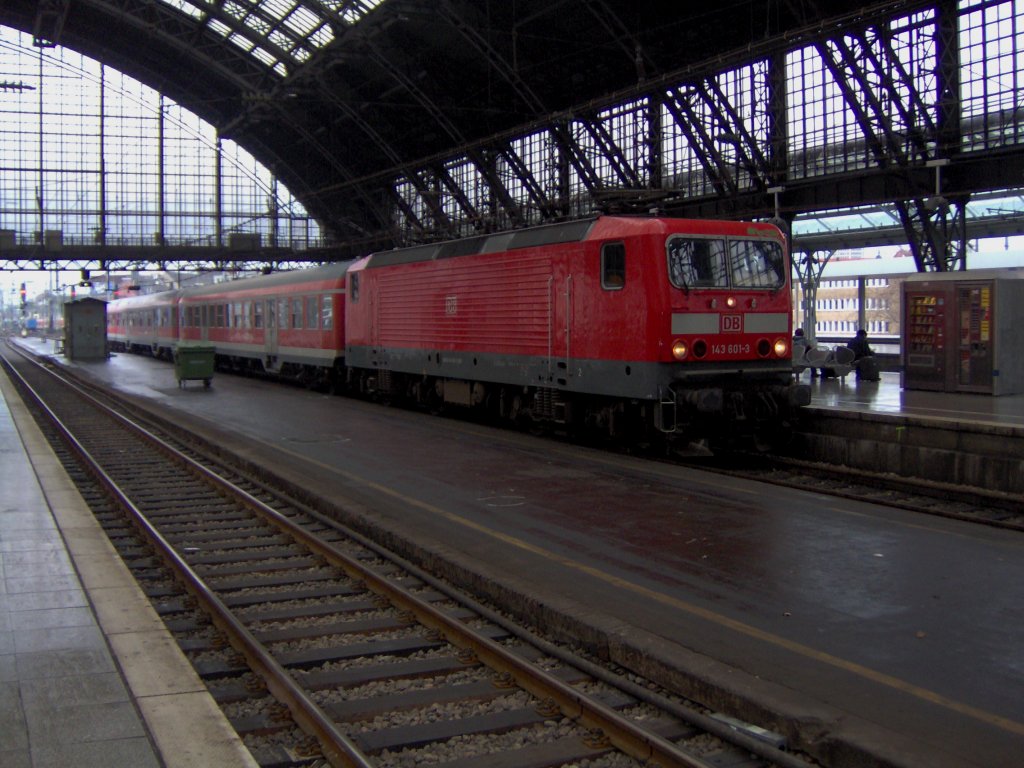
{"x": 958, "y": 332}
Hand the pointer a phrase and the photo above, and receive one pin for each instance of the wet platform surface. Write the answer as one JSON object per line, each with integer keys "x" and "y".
{"x": 89, "y": 676}
{"x": 879, "y": 630}
{"x": 888, "y": 397}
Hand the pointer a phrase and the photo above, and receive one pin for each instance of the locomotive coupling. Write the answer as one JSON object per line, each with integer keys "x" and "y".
{"x": 709, "y": 400}
{"x": 797, "y": 395}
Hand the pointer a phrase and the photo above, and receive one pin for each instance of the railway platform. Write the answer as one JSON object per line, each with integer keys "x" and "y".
{"x": 960, "y": 439}
{"x": 887, "y": 397}
{"x": 89, "y": 676}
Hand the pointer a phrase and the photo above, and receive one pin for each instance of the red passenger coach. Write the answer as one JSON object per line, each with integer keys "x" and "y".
{"x": 147, "y": 323}
{"x": 289, "y": 323}
{"x": 632, "y": 326}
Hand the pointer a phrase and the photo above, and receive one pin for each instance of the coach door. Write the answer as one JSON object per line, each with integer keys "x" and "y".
{"x": 270, "y": 333}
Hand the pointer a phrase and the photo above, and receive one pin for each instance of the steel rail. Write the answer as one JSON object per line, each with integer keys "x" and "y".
{"x": 619, "y": 731}
{"x": 336, "y": 746}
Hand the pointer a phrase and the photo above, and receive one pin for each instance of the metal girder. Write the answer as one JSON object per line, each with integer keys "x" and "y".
{"x": 561, "y": 133}
{"x": 156, "y": 21}
{"x": 49, "y": 22}
{"x": 485, "y": 162}
{"x": 809, "y": 265}
{"x": 533, "y": 188}
{"x": 115, "y": 259}
{"x": 777, "y": 129}
{"x": 459, "y": 20}
{"x": 904, "y": 128}
{"x": 458, "y": 194}
{"x": 695, "y": 129}
{"x": 874, "y": 82}
{"x": 434, "y": 110}
{"x": 848, "y": 71}
{"x": 623, "y": 37}
{"x": 612, "y": 153}
{"x": 936, "y": 230}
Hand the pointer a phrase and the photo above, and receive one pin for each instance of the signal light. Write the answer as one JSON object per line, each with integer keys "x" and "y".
{"x": 24, "y": 294}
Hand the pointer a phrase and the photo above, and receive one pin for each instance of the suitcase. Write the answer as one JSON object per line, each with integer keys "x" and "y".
{"x": 867, "y": 369}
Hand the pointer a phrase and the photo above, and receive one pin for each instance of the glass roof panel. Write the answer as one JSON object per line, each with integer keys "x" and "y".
{"x": 220, "y": 28}
{"x": 241, "y": 42}
{"x": 273, "y": 31}
{"x": 302, "y": 21}
{"x": 263, "y": 56}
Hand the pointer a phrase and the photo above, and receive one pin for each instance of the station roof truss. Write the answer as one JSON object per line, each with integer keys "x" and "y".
{"x": 404, "y": 121}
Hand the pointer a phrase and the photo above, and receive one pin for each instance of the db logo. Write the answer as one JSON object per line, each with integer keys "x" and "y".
{"x": 732, "y": 323}
{"x": 451, "y": 305}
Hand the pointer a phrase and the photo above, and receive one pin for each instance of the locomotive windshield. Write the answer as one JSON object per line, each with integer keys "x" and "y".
{"x": 702, "y": 262}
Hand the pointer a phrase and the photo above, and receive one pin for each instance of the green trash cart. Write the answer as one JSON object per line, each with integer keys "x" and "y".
{"x": 194, "y": 362}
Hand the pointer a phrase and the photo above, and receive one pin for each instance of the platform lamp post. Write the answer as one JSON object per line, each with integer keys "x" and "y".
{"x": 24, "y": 310}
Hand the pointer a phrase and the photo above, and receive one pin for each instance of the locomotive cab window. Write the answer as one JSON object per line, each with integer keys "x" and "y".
{"x": 757, "y": 264}
{"x": 613, "y": 266}
{"x": 353, "y": 287}
{"x": 697, "y": 262}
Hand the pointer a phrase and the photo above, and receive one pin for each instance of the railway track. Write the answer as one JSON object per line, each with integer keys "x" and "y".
{"x": 324, "y": 650}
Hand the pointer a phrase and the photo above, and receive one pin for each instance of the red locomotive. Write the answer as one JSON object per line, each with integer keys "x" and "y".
{"x": 632, "y": 326}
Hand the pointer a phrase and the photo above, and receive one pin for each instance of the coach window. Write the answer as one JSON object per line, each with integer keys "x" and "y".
{"x": 257, "y": 314}
{"x": 695, "y": 262}
{"x": 282, "y": 314}
{"x": 613, "y": 266}
{"x": 247, "y": 314}
{"x": 327, "y": 313}
{"x": 353, "y": 287}
{"x": 297, "y": 314}
{"x": 312, "y": 313}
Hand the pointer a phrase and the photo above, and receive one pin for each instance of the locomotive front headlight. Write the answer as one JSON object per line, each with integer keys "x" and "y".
{"x": 781, "y": 347}
{"x": 730, "y": 302}
{"x": 680, "y": 349}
